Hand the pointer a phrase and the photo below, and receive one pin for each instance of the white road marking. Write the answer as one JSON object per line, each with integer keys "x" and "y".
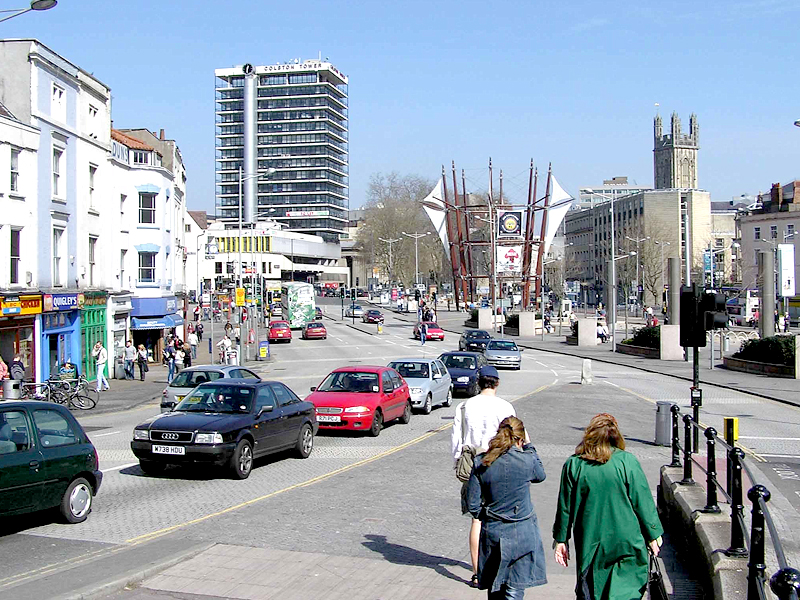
{"x": 554, "y": 373}
{"x": 614, "y": 384}
{"x": 97, "y": 435}
{"x": 778, "y": 455}
{"x": 781, "y": 439}
{"x": 119, "y": 468}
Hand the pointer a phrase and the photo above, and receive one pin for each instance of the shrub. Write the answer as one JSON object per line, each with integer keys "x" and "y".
{"x": 513, "y": 320}
{"x": 473, "y": 315}
{"x": 574, "y": 329}
{"x": 646, "y": 337}
{"x": 775, "y": 350}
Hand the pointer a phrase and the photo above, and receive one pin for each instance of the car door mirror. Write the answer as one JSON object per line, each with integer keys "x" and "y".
{"x": 520, "y": 349}
{"x": 436, "y": 376}
{"x": 314, "y": 389}
{"x": 265, "y": 409}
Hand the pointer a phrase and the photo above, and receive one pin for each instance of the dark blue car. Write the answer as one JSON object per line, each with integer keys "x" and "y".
{"x": 227, "y": 423}
{"x": 463, "y": 368}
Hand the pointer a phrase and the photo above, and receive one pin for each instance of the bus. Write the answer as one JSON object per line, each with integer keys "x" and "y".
{"x": 297, "y": 303}
{"x": 742, "y": 309}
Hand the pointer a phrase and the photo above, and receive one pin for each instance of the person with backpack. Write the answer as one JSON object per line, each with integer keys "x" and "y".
{"x": 17, "y": 368}
{"x": 476, "y": 422}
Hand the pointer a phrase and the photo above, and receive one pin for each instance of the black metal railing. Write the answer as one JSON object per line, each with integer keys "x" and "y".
{"x": 785, "y": 583}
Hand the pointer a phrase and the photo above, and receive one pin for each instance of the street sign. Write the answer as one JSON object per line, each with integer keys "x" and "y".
{"x": 244, "y": 314}
{"x": 239, "y": 296}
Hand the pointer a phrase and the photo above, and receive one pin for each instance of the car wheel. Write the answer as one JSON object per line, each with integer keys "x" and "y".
{"x": 406, "y": 413}
{"x": 76, "y": 503}
{"x": 377, "y": 424}
{"x": 428, "y": 406}
{"x": 151, "y": 467}
{"x": 305, "y": 441}
{"x": 242, "y": 460}
{"x": 449, "y": 400}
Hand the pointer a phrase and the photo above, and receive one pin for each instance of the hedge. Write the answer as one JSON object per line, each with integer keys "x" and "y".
{"x": 646, "y": 337}
{"x": 775, "y": 350}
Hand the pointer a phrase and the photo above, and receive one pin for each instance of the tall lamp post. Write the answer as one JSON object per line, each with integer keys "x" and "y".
{"x": 661, "y": 245}
{"x": 416, "y": 237}
{"x": 774, "y": 245}
{"x": 37, "y": 5}
{"x": 638, "y": 283}
{"x": 613, "y": 283}
{"x": 242, "y": 179}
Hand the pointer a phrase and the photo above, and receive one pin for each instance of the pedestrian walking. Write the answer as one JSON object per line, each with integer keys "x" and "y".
{"x": 100, "y": 354}
{"x": 199, "y": 332}
{"x": 169, "y": 359}
{"x": 3, "y": 369}
{"x": 16, "y": 369}
{"x": 141, "y": 360}
{"x": 423, "y": 333}
{"x": 197, "y": 313}
{"x": 476, "y": 422}
{"x": 511, "y": 555}
{"x": 225, "y": 348}
{"x": 128, "y": 357}
{"x": 187, "y": 355}
{"x": 237, "y": 334}
{"x": 787, "y": 323}
{"x": 193, "y": 341}
{"x": 606, "y": 505}
{"x": 179, "y": 356}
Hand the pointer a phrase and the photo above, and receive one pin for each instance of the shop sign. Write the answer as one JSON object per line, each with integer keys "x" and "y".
{"x": 239, "y": 296}
{"x": 11, "y": 305}
{"x": 55, "y": 302}
{"x": 31, "y": 305}
{"x": 91, "y": 301}
{"x": 120, "y": 324}
{"x": 308, "y": 213}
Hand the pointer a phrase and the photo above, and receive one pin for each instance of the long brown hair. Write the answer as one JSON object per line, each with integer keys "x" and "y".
{"x": 511, "y": 431}
{"x": 602, "y": 435}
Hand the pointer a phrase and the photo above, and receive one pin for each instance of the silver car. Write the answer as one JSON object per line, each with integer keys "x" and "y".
{"x": 354, "y": 310}
{"x": 189, "y": 378}
{"x": 503, "y": 353}
{"x": 428, "y": 381}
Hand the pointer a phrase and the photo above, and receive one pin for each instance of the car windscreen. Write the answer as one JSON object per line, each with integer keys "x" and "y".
{"x": 218, "y": 398}
{"x": 190, "y": 379}
{"x": 477, "y": 335}
{"x": 501, "y": 345}
{"x": 277, "y": 325}
{"x": 417, "y": 370}
{"x": 315, "y": 326}
{"x": 347, "y": 381}
{"x": 457, "y": 361}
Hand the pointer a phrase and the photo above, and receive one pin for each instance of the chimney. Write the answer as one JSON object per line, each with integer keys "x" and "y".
{"x": 161, "y": 134}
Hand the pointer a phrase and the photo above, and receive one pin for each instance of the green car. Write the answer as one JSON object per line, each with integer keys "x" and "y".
{"x": 46, "y": 460}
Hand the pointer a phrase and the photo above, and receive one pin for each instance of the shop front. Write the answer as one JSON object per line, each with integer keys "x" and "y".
{"x": 119, "y": 306}
{"x": 93, "y": 330}
{"x": 151, "y": 320}
{"x": 18, "y": 316}
{"x": 61, "y": 333}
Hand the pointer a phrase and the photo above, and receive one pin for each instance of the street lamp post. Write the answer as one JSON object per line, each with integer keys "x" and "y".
{"x": 638, "y": 283}
{"x": 416, "y": 237}
{"x": 37, "y": 5}
{"x": 613, "y": 307}
{"x": 661, "y": 245}
{"x": 774, "y": 245}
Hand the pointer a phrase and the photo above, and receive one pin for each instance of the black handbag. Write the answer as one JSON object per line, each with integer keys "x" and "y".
{"x": 655, "y": 581}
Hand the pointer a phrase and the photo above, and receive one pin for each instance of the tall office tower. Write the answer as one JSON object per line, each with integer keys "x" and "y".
{"x": 675, "y": 154}
{"x": 289, "y": 117}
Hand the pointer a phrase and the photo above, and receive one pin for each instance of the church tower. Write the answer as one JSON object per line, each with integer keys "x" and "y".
{"x": 675, "y": 154}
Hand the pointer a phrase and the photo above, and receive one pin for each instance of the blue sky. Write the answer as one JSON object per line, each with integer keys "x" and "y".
{"x": 572, "y": 83}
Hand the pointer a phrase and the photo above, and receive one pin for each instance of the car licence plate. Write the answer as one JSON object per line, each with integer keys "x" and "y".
{"x": 329, "y": 418}
{"x": 168, "y": 449}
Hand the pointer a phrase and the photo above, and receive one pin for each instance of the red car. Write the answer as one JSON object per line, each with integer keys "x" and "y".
{"x": 361, "y": 398}
{"x": 434, "y": 331}
{"x": 372, "y": 316}
{"x": 315, "y": 330}
{"x": 279, "y": 331}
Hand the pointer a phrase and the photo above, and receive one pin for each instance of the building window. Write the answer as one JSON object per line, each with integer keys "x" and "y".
{"x": 122, "y": 198}
{"x": 14, "y": 170}
{"x": 218, "y": 268}
{"x": 719, "y": 242}
{"x": 141, "y": 158}
{"x": 92, "y": 172}
{"x": 187, "y": 228}
{"x": 773, "y": 232}
{"x": 789, "y": 231}
{"x": 15, "y": 255}
{"x": 58, "y": 235}
{"x": 92, "y": 121}
{"x": 147, "y": 267}
{"x": 57, "y": 156}
{"x": 92, "y": 255}
{"x": 122, "y": 254}
{"x": 756, "y": 233}
{"x": 58, "y": 104}
{"x": 147, "y": 208}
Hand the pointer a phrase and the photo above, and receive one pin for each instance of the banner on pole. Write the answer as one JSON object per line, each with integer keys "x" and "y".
{"x": 786, "y": 270}
{"x": 509, "y": 259}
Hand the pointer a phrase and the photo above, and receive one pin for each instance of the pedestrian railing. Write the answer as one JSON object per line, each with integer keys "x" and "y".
{"x": 785, "y": 583}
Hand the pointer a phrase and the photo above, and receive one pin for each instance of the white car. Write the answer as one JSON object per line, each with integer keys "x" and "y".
{"x": 428, "y": 381}
{"x": 354, "y": 310}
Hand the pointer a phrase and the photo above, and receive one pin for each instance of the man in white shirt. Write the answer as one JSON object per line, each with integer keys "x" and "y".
{"x": 476, "y": 426}
{"x": 192, "y": 339}
{"x": 101, "y": 358}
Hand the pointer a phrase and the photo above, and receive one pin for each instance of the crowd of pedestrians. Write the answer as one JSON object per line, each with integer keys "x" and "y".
{"x": 604, "y": 504}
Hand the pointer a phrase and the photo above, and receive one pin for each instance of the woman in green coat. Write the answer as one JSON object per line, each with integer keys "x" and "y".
{"x": 606, "y": 504}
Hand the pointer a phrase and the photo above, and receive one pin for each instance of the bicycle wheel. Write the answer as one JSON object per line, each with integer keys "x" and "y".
{"x": 82, "y": 402}
{"x": 58, "y": 395}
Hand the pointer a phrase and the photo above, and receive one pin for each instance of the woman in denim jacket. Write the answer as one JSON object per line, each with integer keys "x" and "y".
{"x": 498, "y": 493}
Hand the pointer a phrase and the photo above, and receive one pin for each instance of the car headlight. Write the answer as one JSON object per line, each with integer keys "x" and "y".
{"x": 463, "y": 380}
{"x": 356, "y": 409}
{"x": 416, "y": 390}
{"x": 208, "y": 438}
{"x": 141, "y": 434}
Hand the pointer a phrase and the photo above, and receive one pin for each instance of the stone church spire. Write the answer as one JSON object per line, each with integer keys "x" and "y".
{"x": 675, "y": 154}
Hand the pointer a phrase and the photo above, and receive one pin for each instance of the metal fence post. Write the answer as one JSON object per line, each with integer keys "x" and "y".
{"x": 676, "y": 438}
{"x": 756, "y": 565}
{"x": 737, "y": 547}
{"x": 784, "y": 582}
{"x": 711, "y": 472}
{"x": 687, "y": 451}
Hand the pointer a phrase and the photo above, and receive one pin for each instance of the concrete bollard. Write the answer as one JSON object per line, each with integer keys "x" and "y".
{"x": 586, "y": 371}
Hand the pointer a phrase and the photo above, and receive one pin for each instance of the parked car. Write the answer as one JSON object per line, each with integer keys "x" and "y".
{"x": 434, "y": 331}
{"x": 474, "y": 340}
{"x": 503, "y": 353}
{"x": 428, "y": 381}
{"x": 317, "y": 313}
{"x": 46, "y": 461}
{"x": 354, "y": 310}
{"x": 191, "y": 377}
{"x": 361, "y": 398}
{"x": 463, "y": 368}
{"x": 279, "y": 331}
{"x": 372, "y": 316}
{"x": 227, "y": 423}
{"x": 314, "y": 330}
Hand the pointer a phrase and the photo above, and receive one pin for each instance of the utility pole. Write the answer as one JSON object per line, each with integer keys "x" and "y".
{"x": 416, "y": 237}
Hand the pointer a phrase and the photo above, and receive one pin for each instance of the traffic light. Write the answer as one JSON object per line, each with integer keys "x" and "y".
{"x": 416, "y": 295}
{"x": 693, "y": 331}
{"x": 712, "y": 307}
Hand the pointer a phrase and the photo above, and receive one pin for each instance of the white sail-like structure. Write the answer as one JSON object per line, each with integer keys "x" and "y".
{"x": 435, "y": 209}
{"x": 560, "y": 201}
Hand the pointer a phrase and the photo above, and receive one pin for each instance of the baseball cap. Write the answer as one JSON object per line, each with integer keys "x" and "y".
{"x": 488, "y": 371}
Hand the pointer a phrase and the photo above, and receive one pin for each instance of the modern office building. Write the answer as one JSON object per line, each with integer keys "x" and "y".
{"x": 293, "y": 118}
{"x": 616, "y": 187}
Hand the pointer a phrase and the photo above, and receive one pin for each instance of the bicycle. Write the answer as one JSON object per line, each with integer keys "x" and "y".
{"x": 35, "y": 391}
{"x": 73, "y": 392}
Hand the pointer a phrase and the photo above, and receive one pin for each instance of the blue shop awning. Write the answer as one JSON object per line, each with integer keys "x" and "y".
{"x": 165, "y": 322}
